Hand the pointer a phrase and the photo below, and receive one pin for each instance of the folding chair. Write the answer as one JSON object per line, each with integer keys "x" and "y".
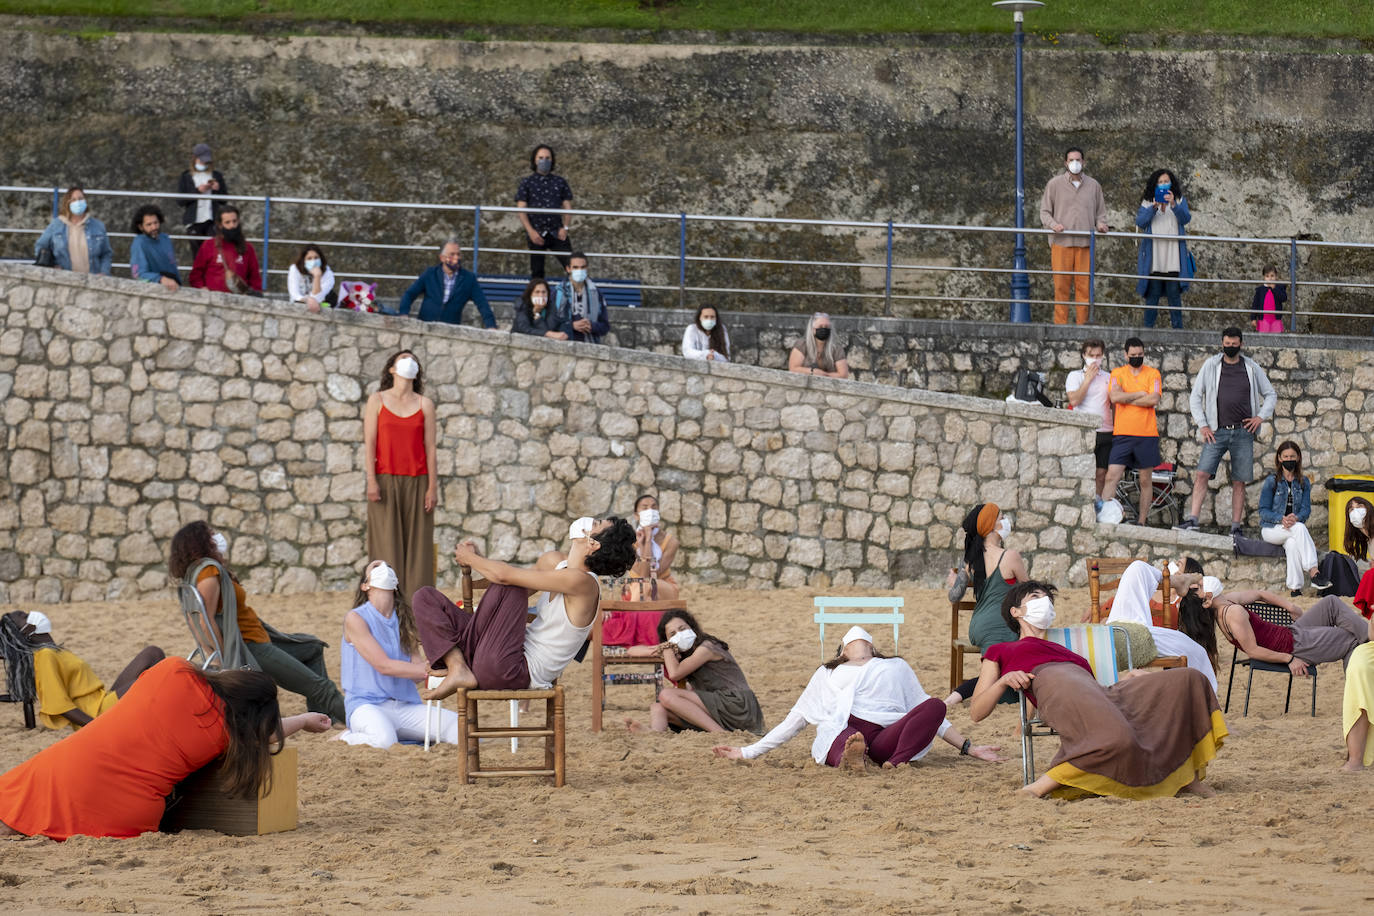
{"x": 1098, "y": 567}
{"x": 959, "y": 645}
{"x": 892, "y": 615}
{"x": 603, "y": 657}
{"x": 207, "y": 648}
{"x": 1278, "y": 616}
{"x": 1097, "y": 644}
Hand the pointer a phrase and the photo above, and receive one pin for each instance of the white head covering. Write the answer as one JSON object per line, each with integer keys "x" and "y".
{"x": 1212, "y": 584}
{"x": 383, "y": 576}
{"x": 40, "y": 621}
{"x": 855, "y": 633}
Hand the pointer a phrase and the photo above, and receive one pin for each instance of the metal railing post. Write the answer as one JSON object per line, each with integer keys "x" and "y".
{"x": 56, "y": 196}
{"x": 476, "y": 236}
{"x": 682, "y": 261}
{"x": 1092, "y": 272}
{"x": 266, "y": 236}
{"x": 1293, "y": 285}
{"x": 887, "y": 279}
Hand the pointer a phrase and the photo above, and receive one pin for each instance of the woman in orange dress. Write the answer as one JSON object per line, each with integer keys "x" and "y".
{"x": 112, "y": 777}
{"x": 402, "y": 475}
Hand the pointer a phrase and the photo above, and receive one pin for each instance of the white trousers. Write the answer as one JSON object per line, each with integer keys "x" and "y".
{"x": 1298, "y": 545}
{"x": 1175, "y": 642}
{"x": 383, "y": 724}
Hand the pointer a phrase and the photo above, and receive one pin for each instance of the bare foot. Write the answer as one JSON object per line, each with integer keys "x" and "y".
{"x": 854, "y": 752}
{"x": 889, "y": 765}
{"x": 635, "y": 728}
{"x": 1197, "y": 787}
{"x": 457, "y": 676}
{"x": 1353, "y": 766}
{"x": 1027, "y": 792}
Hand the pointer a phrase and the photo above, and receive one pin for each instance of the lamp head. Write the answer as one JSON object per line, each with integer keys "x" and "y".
{"x": 1018, "y": 7}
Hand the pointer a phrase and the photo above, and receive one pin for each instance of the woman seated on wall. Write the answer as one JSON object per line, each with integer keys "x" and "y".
{"x": 1359, "y": 529}
{"x": 293, "y": 660}
{"x": 309, "y": 280}
{"x": 1148, "y": 736}
{"x": 535, "y": 315}
{"x": 715, "y": 696}
{"x": 818, "y": 352}
{"x": 655, "y": 550}
{"x": 706, "y": 337}
{"x": 1285, "y": 504}
{"x": 379, "y": 665}
{"x": 866, "y": 707}
{"x": 986, "y": 529}
{"x": 112, "y": 778}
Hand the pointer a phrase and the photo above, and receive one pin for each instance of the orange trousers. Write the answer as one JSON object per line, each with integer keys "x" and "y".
{"x": 1075, "y": 259}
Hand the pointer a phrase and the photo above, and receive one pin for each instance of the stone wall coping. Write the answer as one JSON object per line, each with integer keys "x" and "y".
{"x": 1216, "y": 543}
{"x": 225, "y": 302}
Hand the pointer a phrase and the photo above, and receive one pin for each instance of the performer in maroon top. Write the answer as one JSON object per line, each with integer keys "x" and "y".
{"x": 1331, "y": 630}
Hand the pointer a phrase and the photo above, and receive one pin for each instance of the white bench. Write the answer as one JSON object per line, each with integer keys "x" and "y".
{"x": 869, "y": 614}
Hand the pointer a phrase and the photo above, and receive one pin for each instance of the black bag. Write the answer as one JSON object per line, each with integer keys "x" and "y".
{"x": 1030, "y": 386}
{"x": 1342, "y": 573}
{"x": 45, "y": 257}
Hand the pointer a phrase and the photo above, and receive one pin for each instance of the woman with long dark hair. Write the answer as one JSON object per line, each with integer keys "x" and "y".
{"x": 199, "y": 558}
{"x": 717, "y": 697}
{"x": 1162, "y": 264}
{"x": 986, "y": 529}
{"x": 310, "y": 281}
{"x": 1285, "y": 504}
{"x": 112, "y": 777}
{"x": 402, "y": 472}
{"x": 706, "y": 337}
{"x": 865, "y": 706}
{"x": 535, "y": 314}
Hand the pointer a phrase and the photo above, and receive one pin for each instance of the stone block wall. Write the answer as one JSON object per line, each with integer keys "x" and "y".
{"x": 129, "y": 410}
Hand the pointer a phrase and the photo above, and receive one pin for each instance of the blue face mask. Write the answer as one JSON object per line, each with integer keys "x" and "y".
{"x": 78, "y": 207}
{"x": 579, "y": 275}
{"x": 312, "y": 263}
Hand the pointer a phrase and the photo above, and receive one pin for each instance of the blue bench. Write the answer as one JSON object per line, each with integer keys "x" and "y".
{"x": 508, "y": 287}
{"x": 870, "y": 614}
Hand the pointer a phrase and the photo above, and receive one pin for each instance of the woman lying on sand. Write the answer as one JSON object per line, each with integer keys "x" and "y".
{"x": 1148, "y": 736}
{"x": 717, "y": 697}
{"x": 864, "y": 705}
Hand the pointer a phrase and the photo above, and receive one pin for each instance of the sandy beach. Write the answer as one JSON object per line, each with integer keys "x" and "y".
{"x": 656, "y": 824}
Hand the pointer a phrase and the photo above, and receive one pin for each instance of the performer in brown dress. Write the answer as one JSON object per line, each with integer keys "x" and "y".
{"x": 1148, "y": 736}
{"x": 715, "y": 696}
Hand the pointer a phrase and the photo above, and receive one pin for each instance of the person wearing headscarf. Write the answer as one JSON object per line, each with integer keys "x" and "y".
{"x": 865, "y": 705}
{"x": 1131, "y": 604}
{"x": 986, "y": 529}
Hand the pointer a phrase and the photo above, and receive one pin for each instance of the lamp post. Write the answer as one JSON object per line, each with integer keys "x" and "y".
{"x": 1020, "y": 283}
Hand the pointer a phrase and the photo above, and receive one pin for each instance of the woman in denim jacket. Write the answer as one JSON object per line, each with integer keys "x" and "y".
{"x": 1285, "y": 504}
{"x": 77, "y": 240}
{"x": 1163, "y": 266}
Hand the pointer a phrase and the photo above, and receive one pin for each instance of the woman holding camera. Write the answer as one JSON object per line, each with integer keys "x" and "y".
{"x": 1163, "y": 265}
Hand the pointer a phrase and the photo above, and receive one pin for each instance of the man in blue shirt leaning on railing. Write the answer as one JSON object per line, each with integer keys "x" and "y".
{"x": 447, "y": 288}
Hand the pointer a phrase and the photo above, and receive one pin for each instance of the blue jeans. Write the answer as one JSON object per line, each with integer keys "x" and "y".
{"x": 1239, "y": 442}
{"x": 1168, "y": 285}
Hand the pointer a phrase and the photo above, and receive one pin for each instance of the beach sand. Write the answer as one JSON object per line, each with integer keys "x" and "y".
{"x": 656, "y": 824}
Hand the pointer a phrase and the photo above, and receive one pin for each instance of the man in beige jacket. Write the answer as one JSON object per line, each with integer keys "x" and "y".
{"x": 1072, "y": 202}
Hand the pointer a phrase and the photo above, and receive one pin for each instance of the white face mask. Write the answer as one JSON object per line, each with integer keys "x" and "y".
{"x": 648, "y": 518}
{"x": 221, "y": 544}
{"x": 708, "y": 323}
{"x": 1357, "y": 516}
{"x": 1004, "y": 527}
{"x": 683, "y": 639}
{"x": 1039, "y": 612}
{"x": 1090, "y": 361}
{"x": 539, "y": 300}
{"x": 407, "y": 368}
{"x": 581, "y": 528}
{"x": 1075, "y": 166}
{"x": 201, "y": 167}
{"x": 579, "y": 275}
{"x": 1173, "y": 568}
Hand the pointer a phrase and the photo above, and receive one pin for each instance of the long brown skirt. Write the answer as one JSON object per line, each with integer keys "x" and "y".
{"x": 1146, "y": 737}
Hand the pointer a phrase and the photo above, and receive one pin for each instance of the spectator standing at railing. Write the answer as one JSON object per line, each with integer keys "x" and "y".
{"x": 227, "y": 262}
{"x": 76, "y": 239}
{"x": 819, "y": 351}
{"x": 706, "y": 337}
{"x": 1072, "y": 202}
{"x": 1163, "y": 265}
{"x": 151, "y": 258}
{"x": 1266, "y": 306}
{"x": 543, "y": 190}
{"x": 310, "y": 281}
{"x": 578, "y": 303}
{"x": 447, "y": 288}
{"x": 198, "y": 213}
{"x": 534, "y": 315}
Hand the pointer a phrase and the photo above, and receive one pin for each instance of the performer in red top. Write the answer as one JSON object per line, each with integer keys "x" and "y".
{"x": 402, "y": 476}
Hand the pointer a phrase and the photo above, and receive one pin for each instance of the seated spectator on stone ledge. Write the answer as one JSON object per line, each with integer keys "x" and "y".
{"x": 447, "y": 288}
{"x": 534, "y": 314}
{"x": 227, "y": 262}
{"x": 310, "y": 281}
{"x": 655, "y": 550}
{"x": 706, "y": 337}
{"x": 1285, "y": 504}
{"x": 577, "y": 302}
{"x": 76, "y": 239}
{"x": 151, "y": 258}
{"x": 819, "y": 351}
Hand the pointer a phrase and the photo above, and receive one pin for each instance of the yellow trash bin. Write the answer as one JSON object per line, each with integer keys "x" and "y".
{"x": 1339, "y": 491}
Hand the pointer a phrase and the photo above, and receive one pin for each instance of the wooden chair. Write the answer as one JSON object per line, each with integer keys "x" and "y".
{"x": 958, "y": 644}
{"x": 601, "y": 661}
{"x": 1099, "y": 571}
{"x": 892, "y": 615}
{"x": 471, "y": 732}
{"x": 1279, "y": 617}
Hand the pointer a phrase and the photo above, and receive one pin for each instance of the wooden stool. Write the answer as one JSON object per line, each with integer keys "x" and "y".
{"x": 470, "y": 734}
{"x": 204, "y": 804}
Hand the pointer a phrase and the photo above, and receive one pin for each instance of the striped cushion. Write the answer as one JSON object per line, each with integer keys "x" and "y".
{"x": 1095, "y": 643}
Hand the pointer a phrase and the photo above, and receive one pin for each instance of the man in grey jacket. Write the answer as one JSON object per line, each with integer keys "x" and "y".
{"x": 1231, "y": 399}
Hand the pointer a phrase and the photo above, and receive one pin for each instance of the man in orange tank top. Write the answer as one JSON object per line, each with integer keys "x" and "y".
{"x": 1134, "y": 391}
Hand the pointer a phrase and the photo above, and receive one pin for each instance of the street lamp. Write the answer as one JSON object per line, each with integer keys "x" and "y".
{"x": 1020, "y": 283}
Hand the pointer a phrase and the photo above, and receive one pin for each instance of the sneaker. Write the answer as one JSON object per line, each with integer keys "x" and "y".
{"x": 1097, "y": 504}
{"x": 1320, "y": 582}
{"x": 1238, "y": 531}
{"x": 1295, "y": 593}
{"x": 1188, "y": 524}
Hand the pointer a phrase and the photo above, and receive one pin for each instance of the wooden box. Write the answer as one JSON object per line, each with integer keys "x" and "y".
{"x": 204, "y": 805}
